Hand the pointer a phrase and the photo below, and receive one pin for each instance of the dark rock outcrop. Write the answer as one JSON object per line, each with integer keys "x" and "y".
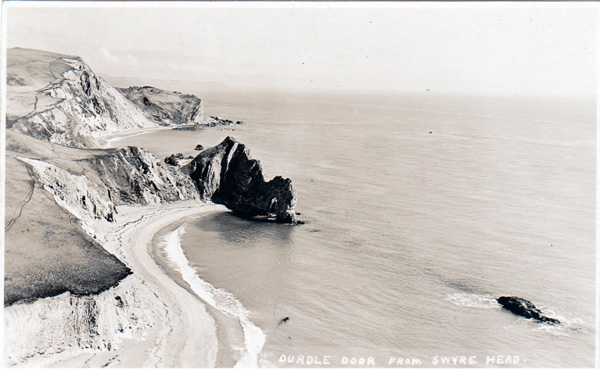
{"x": 199, "y": 147}
{"x": 524, "y": 308}
{"x": 174, "y": 159}
{"x": 218, "y": 121}
{"x": 226, "y": 174}
{"x": 211, "y": 121}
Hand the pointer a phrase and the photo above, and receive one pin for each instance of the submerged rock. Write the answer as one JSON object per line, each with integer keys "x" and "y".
{"x": 524, "y": 308}
{"x": 226, "y": 174}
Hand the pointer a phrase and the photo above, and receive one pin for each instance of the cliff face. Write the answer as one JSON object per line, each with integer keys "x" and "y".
{"x": 46, "y": 250}
{"x": 58, "y": 98}
{"x": 99, "y": 322}
{"x": 126, "y": 176}
{"x": 135, "y": 176}
{"x": 226, "y": 174}
{"x": 82, "y": 197}
{"x": 166, "y": 107}
{"x": 173, "y": 108}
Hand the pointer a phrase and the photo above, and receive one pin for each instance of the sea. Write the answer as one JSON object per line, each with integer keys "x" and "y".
{"x": 420, "y": 210}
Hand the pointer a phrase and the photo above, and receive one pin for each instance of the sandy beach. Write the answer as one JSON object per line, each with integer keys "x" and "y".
{"x": 192, "y": 332}
{"x": 106, "y": 140}
{"x": 229, "y": 333}
{"x": 189, "y": 339}
{"x": 183, "y": 334}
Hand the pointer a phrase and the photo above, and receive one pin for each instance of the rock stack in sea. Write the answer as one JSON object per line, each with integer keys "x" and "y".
{"x": 226, "y": 174}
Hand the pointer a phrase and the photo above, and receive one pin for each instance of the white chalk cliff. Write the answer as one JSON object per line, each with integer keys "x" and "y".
{"x": 58, "y": 98}
{"x": 93, "y": 323}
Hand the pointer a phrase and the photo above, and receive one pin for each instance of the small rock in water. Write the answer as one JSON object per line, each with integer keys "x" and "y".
{"x": 199, "y": 147}
{"x": 284, "y": 320}
{"x": 524, "y": 308}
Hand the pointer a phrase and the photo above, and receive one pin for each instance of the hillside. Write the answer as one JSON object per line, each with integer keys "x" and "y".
{"x": 46, "y": 250}
{"x": 166, "y": 107}
{"x": 58, "y": 98}
{"x": 172, "y": 108}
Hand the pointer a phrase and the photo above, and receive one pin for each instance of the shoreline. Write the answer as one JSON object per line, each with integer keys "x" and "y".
{"x": 224, "y": 326}
{"x": 106, "y": 140}
{"x": 193, "y": 328}
{"x": 181, "y": 328}
{"x": 240, "y": 340}
{"x": 172, "y": 327}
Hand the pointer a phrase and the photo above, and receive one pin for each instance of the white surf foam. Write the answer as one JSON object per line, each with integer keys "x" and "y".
{"x": 473, "y": 300}
{"x": 224, "y": 301}
{"x": 567, "y": 326}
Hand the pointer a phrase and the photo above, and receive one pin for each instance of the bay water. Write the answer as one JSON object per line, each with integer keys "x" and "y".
{"x": 419, "y": 212}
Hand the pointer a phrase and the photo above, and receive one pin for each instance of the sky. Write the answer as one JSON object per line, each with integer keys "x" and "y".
{"x": 508, "y": 49}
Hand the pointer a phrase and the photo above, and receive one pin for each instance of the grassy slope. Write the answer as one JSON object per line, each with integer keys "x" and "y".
{"x": 28, "y": 71}
{"x": 47, "y": 252}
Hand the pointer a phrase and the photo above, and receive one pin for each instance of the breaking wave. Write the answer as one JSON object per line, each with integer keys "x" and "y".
{"x": 567, "y": 326}
{"x": 473, "y": 300}
{"x": 224, "y": 301}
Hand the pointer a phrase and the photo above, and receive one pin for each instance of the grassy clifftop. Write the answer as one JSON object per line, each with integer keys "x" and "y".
{"x": 47, "y": 252}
